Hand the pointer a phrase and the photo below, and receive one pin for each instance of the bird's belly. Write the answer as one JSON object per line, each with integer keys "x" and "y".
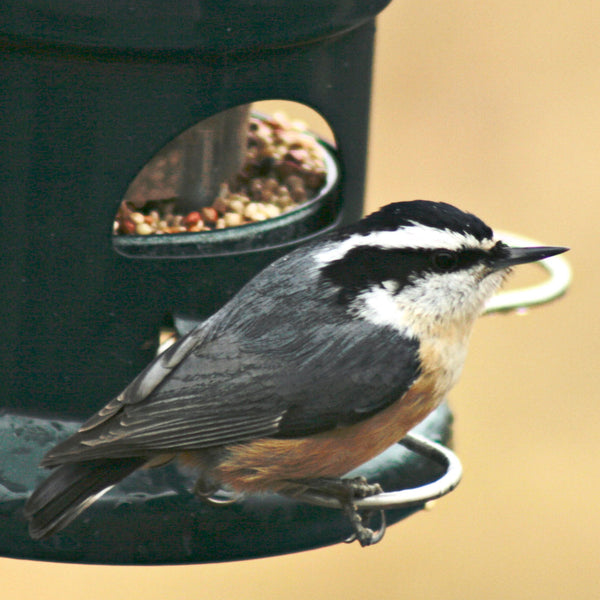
{"x": 268, "y": 463}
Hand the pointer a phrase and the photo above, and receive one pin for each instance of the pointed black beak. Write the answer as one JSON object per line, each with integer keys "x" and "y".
{"x": 507, "y": 257}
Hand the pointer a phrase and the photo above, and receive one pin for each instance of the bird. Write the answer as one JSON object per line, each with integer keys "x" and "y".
{"x": 322, "y": 361}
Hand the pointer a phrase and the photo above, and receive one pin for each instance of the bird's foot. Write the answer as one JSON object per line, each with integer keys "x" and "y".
{"x": 346, "y": 492}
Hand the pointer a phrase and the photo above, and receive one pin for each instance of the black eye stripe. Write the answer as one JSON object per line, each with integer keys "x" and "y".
{"x": 364, "y": 266}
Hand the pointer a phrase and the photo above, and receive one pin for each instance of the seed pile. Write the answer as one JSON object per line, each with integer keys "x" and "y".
{"x": 283, "y": 168}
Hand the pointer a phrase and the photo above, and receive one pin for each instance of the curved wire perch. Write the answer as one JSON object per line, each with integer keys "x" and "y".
{"x": 409, "y": 497}
{"x": 560, "y": 278}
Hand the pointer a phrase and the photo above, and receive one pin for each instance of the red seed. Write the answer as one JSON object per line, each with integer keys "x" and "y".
{"x": 192, "y": 218}
{"x": 127, "y": 227}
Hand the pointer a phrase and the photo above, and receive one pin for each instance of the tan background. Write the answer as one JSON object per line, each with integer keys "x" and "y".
{"x": 493, "y": 106}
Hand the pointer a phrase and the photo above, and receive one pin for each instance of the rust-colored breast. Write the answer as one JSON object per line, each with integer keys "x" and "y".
{"x": 268, "y": 463}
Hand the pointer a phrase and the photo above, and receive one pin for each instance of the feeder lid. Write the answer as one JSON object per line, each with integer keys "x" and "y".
{"x": 209, "y": 26}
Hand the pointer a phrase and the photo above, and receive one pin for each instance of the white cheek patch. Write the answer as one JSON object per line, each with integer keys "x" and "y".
{"x": 411, "y": 237}
{"x": 461, "y": 294}
{"x": 450, "y": 294}
{"x": 433, "y": 300}
{"x": 380, "y": 306}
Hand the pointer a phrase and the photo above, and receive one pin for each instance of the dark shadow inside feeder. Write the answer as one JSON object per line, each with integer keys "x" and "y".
{"x": 235, "y": 168}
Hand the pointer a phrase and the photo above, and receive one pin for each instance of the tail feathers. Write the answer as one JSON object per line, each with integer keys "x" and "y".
{"x": 72, "y": 488}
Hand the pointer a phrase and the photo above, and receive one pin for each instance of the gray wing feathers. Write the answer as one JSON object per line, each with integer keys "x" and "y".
{"x": 254, "y": 369}
{"x": 215, "y": 394}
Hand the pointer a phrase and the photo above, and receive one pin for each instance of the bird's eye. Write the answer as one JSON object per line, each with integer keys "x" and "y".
{"x": 443, "y": 260}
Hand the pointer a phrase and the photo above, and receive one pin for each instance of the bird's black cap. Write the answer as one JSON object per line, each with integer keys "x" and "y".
{"x": 424, "y": 212}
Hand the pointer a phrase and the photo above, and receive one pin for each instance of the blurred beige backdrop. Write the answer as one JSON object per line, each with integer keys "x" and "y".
{"x": 493, "y": 106}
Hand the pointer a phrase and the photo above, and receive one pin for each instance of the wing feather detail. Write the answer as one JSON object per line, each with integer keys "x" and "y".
{"x": 246, "y": 374}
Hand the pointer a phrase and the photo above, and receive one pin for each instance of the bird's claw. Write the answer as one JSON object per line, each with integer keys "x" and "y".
{"x": 213, "y": 495}
{"x": 365, "y": 535}
{"x": 359, "y": 487}
{"x": 346, "y": 492}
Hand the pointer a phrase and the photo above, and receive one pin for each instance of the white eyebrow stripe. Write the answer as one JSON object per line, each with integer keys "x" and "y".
{"x": 412, "y": 236}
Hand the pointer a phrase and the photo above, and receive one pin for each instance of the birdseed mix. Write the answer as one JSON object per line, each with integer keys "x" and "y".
{"x": 284, "y": 167}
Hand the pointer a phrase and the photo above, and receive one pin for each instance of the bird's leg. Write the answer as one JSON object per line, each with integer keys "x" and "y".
{"x": 346, "y": 491}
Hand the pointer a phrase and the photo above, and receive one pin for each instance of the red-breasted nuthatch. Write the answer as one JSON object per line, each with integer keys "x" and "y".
{"x": 322, "y": 361}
